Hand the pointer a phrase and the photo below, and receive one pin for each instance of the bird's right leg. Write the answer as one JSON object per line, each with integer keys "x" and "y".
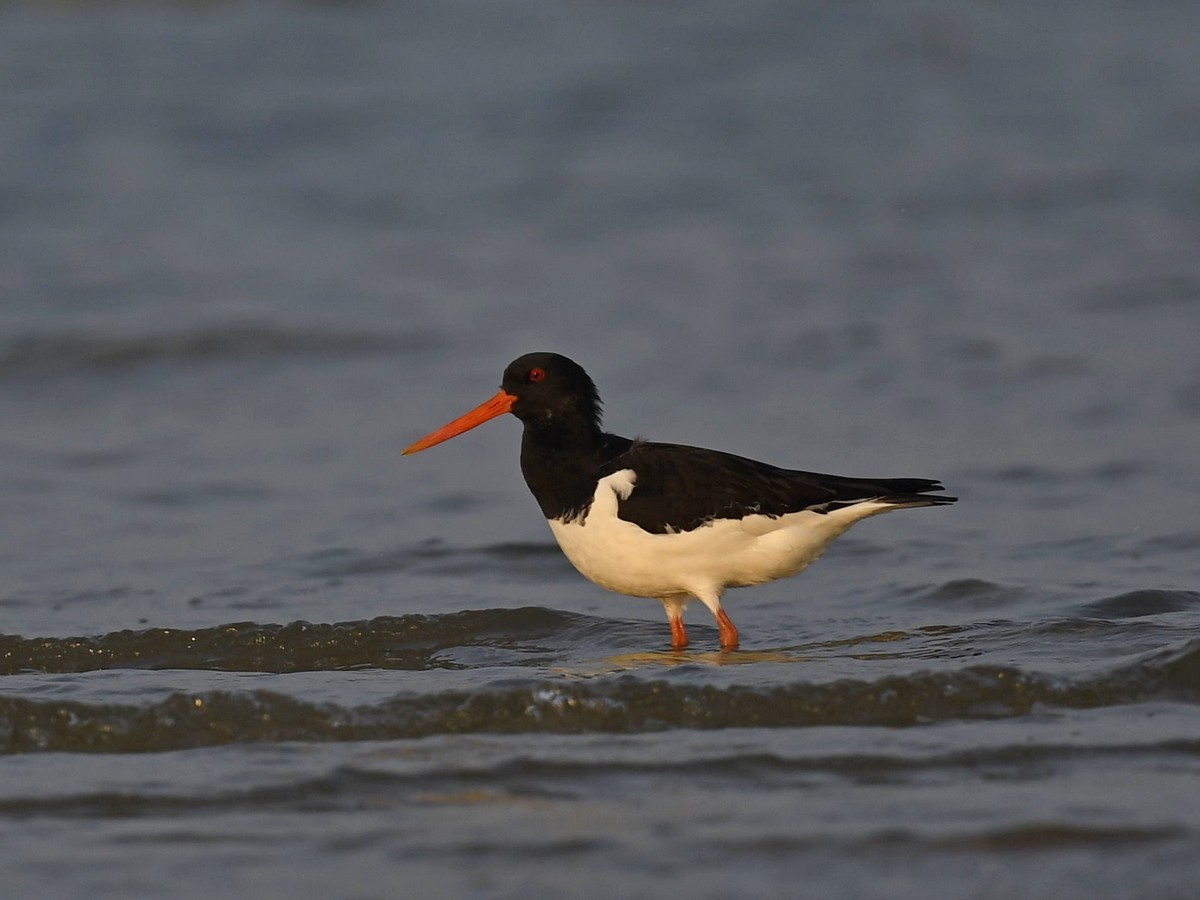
{"x": 674, "y": 607}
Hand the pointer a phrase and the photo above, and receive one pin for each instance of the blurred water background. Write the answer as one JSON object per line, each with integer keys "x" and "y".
{"x": 250, "y": 250}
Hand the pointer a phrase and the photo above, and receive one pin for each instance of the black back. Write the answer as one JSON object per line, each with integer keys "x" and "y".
{"x": 564, "y": 453}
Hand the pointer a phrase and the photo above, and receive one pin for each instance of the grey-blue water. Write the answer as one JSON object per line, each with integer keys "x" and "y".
{"x": 250, "y": 251}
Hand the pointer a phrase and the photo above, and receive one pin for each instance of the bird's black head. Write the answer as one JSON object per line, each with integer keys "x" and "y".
{"x": 550, "y": 394}
{"x": 552, "y": 391}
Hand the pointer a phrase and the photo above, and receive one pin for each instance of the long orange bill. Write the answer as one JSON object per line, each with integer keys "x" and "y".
{"x": 497, "y": 406}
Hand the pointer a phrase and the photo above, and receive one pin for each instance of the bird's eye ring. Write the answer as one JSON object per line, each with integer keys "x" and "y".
{"x": 537, "y": 374}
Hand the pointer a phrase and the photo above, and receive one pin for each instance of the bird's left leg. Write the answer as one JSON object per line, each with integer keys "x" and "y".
{"x": 729, "y": 632}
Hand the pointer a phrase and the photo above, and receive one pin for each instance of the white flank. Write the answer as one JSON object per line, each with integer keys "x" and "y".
{"x": 723, "y": 553}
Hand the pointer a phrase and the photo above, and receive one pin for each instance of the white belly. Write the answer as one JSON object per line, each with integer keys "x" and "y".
{"x": 623, "y": 557}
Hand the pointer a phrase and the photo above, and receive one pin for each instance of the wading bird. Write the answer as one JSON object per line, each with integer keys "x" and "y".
{"x": 664, "y": 520}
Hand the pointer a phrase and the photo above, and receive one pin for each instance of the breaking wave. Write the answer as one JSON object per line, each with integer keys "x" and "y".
{"x": 643, "y": 701}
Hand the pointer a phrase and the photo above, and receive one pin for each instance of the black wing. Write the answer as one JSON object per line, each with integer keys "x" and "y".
{"x": 680, "y": 488}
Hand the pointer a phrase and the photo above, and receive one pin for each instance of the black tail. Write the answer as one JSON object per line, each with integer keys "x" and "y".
{"x": 896, "y": 491}
{"x": 914, "y": 492}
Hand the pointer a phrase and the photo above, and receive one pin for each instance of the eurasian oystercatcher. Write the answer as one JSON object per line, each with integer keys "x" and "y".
{"x": 664, "y": 520}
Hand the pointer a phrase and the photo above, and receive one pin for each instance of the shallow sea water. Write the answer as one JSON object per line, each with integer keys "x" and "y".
{"x": 250, "y": 251}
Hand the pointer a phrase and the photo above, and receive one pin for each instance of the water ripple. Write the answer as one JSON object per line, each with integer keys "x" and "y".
{"x": 52, "y": 355}
{"x": 622, "y": 704}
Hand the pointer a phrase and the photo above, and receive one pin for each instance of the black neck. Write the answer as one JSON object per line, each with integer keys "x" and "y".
{"x": 561, "y": 464}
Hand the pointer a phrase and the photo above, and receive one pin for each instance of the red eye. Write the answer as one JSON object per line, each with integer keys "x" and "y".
{"x": 537, "y": 374}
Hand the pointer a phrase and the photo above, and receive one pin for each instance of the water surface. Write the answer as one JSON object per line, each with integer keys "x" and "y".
{"x": 249, "y": 252}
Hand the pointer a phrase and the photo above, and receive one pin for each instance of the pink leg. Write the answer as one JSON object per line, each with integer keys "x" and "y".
{"x": 729, "y": 632}
{"x": 679, "y": 638}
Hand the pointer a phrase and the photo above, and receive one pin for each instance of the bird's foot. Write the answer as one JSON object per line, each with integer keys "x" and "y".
{"x": 679, "y": 638}
{"x": 729, "y": 632}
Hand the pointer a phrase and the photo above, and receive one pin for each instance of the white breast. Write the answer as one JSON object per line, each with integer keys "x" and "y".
{"x": 622, "y": 557}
